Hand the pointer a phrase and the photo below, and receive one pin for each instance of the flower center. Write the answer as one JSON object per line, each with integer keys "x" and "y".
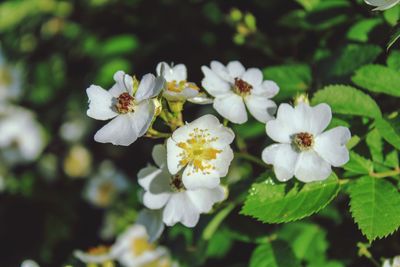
{"x": 176, "y": 183}
{"x": 178, "y": 87}
{"x": 241, "y": 87}
{"x": 141, "y": 245}
{"x": 5, "y": 77}
{"x": 197, "y": 150}
{"x": 125, "y": 103}
{"x": 303, "y": 141}
{"x": 105, "y": 193}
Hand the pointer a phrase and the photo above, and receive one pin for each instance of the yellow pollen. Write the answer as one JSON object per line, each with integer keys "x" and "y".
{"x": 5, "y": 77}
{"x": 178, "y": 87}
{"x": 141, "y": 245}
{"x": 105, "y": 192}
{"x": 197, "y": 150}
{"x": 98, "y": 250}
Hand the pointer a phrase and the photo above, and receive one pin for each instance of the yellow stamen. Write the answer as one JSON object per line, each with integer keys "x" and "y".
{"x": 141, "y": 245}
{"x": 178, "y": 87}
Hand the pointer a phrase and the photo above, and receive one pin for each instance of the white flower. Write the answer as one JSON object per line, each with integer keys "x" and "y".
{"x": 131, "y": 110}
{"x": 234, "y": 87}
{"x": 21, "y": 138}
{"x": 133, "y": 249}
{"x": 10, "y": 81}
{"x": 95, "y": 255}
{"x": 178, "y": 88}
{"x": 167, "y": 192}
{"x": 152, "y": 220}
{"x": 29, "y": 263}
{"x": 304, "y": 150}
{"x": 382, "y": 4}
{"x": 201, "y": 148}
{"x": 395, "y": 262}
{"x": 102, "y": 189}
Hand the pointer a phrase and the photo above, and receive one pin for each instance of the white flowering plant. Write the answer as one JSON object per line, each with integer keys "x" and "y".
{"x": 196, "y": 133}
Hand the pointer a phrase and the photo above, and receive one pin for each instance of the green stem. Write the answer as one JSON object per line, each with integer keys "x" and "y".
{"x": 151, "y": 133}
{"x": 386, "y": 174}
{"x": 251, "y": 158}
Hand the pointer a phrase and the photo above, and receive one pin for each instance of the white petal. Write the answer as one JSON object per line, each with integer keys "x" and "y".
{"x": 168, "y": 73}
{"x": 180, "y": 72}
{"x": 214, "y": 84}
{"x": 152, "y": 220}
{"x": 321, "y": 117}
{"x": 235, "y": 69}
{"x": 201, "y": 99}
{"x": 279, "y": 131}
{"x": 159, "y": 155}
{"x": 261, "y": 108}
{"x": 221, "y": 71}
{"x": 119, "y": 131}
{"x": 331, "y": 145}
{"x": 116, "y": 90}
{"x": 149, "y": 87}
{"x": 386, "y": 263}
{"x": 186, "y": 93}
{"x": 155, "y": 201}
{"x": 204, "y": 198}
{"x": 174, "y": 156}
{"x": 124, "y": 82}
{"x": 311, "y": 167}
{"x": 224, "y": 135}
{"x": 267, "y": 89}
{"x": 146, "y": 175}
{"x": 29, "y": 263}
{"x": 382, "y": 4}
{"x": 231, "y": 107}
{"x": 284, "y": 159}
{"x": 223, "y": 161}
{"x": 180, "y": 209}
{"x": 193, "y": 178}
{"x": 142, "y": 117}
{"x": 100, "y": 103}
{"x": 253, "y": 76}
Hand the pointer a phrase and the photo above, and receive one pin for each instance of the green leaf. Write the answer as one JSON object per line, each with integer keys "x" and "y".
{"x": 307, "y": 240}
{"x": 391, "y": 15}
{"x": 250, "y": 129}
{"x": 345, "y": 99}
{"x": 216, "y": 221}
{"x": 393, "y": 60}
{"x": 378, "y": 79}
{"x": 284, "y": 202}
{"x": 291, "y": 79}
{"x": 275, "y": 254}
{"x": 375, "y": 145}
{"x": 395, "y": 36}
{"x": 359, "y": 31}
{"x": 392, "y": 159}
{"x": 120, "y": 44}
{"x": 358, "y": 164}
{"x": 388, "y": 132}
{"x": 308, "y": 4}
{"x": 219, "y": 244}
{"x": 375, "y": 207}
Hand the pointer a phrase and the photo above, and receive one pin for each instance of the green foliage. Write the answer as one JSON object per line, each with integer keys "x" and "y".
{"x": 347, "y": 100}
{"x": 291, "y": 79}
{"x": 393, "y": 60}
{"x": 375, "y": 207}
{"x": 375, "y": 145}
{"x": 360, "y": 30}
{"x": 393, "y": 39}
{"x": 358, "y": 164}
{"x": 379, "y": 79}
{"x": 388, "y": 132}
{"x": 274, "y": 254}
{"x": 120, "y": 44}
{"x": 283, "y": 202}
{"x": 391, "y": 15}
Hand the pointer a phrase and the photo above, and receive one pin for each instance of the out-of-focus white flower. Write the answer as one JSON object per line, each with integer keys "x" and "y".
{"x": 382, "y": 4}
{"x": 133, "y": 249}
{"x": 21, "y": 138}
{"x": 10, "y": 81}
{"x": 128, "y": 104}
{"x": 234, "y": 88}
{"x": 201, "y": 148}
{"x": 102, "y": 189}
{"x": 304, "y": 150}
{"x": 29, "y": 263}
{"x": 167, "y": 192}
{"x": 73, "y": 130}
{"x": 178, "y": 88}
{"x": 392, "y": 263}
{"x": 100, "y": 254}
{"x": 152, "y": 220}
{"x": 78, "y": 162}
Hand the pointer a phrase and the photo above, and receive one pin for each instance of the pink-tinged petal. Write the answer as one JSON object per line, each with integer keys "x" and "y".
{"x": 331, "y": 146}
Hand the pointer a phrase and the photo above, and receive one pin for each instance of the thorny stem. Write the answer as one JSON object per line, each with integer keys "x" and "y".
{"x": 251, "y": 158}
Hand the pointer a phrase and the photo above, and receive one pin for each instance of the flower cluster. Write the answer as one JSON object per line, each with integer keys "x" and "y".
{"x": 185, "y": 179}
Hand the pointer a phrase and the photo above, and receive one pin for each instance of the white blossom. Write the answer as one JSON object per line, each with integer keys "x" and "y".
{"x": 167, "y": 192}
{"x": 236, "y": 88}
{"x": 395, "y": 262}
{"x": 10, "y": 81}
{"x": 304, "y": 150}
{"x": 201, "y": 151}
{"x": 102, "y": 189}
{"x": 96, "y": 255}
{"x": 177, "y": 87}
{"x": 21, "y": 138}
{"x": 133, "y": 249}
{"x": 29, "y": 263}
{"x": 152, "y": 221}
{"x": 382, "y": 4}
{"x": 131, "y": 109}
